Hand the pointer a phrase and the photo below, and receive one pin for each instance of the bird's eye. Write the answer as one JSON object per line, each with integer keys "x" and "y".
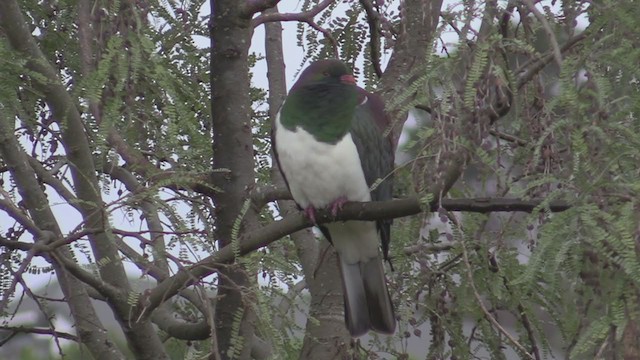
{"x": 325, "y": 73}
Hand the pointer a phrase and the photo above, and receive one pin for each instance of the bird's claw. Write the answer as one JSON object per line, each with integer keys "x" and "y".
{"x": 310, "y": 213}
{"x": 337, "y": 205}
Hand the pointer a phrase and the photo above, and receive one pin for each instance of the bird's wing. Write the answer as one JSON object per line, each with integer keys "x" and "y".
{"x": 376, "y": 154}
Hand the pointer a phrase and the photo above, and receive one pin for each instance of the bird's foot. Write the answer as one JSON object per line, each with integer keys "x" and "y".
{"x": 337, "y": 205}
{"x": 310, "y": 213}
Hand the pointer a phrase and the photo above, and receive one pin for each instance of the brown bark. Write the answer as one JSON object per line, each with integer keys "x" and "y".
{"x": 326, "y": 336}
{"x": 233, "y": 156}
{"x": 414, "y": 45}
{"x": 631, "y": 341}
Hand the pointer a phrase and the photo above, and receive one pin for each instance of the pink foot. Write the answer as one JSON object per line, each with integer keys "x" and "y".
{"x": 337, "y": 205}
{"x": 310, "y": 213}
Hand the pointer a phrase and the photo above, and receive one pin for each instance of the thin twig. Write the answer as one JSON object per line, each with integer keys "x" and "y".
{"x": 43, "y": 310}
{"x": 41, "y": 331}
{"x": 526, "y": 323}
{"x": 430, "y": 248}
{"x": 305, "y": 17}
{"x": 287, "y": 300}
{"x": 17, "y": 275}
{"x": 18, "y": 215}
{"x": 508, "y": 137}
{"x": 327, "y": 34}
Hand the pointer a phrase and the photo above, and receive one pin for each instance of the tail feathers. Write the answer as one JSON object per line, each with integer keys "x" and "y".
{"x": 381, "y": 313}
{"x": 367, "y": 304}
{"x": 356, "y": 314}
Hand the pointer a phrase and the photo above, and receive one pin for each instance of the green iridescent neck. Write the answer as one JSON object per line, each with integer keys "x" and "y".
{"x": 323, "y": 110}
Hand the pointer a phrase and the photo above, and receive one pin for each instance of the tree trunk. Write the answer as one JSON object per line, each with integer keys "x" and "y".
{"x": 326, "y": 336}
{"x": 234, "y": 165}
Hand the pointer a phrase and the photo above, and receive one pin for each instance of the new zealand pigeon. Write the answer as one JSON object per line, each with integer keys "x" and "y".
{"x": 329, "y": 144}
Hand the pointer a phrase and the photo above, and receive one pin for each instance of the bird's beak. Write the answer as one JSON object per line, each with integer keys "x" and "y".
{"x": 348, "y": 79}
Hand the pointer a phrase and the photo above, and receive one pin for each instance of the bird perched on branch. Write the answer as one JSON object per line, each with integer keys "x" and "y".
{"x": 329, "y": 144}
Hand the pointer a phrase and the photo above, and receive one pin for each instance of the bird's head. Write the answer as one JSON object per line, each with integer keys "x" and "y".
{"x": 326, "y": 72}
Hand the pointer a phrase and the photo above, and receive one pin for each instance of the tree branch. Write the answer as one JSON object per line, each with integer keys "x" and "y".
{"x": 265, "y": 194}
{"x": 373, "y": 18}
{"x": 508, "y": 137}
{"x": 15, "y": 245}
{"x": 306, "y": 246}
{"x": 232, "y": 141}
{"x": 55, "y": 183}
{"x": 150, "y": 213}
{"x": 41, "y": 331}
{"x": 12, "y": 210}
{"x": 264, "y": 236}
{"x": 527, "y": 71}
{"x": 17, "y": 275}
{"x": 113, "y": 295}
{"x": 557, "y": 55}
{"x": 253, "y": 7}
{"x": 177, "y": 329}
{"x": 480, "y": 302}
{"x": 305, "y": 16}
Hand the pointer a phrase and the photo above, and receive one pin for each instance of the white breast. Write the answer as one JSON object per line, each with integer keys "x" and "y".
{"x": 318, "y": 173}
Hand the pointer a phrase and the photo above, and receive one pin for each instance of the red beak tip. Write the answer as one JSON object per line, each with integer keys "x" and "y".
{"x": 348, "y": 79}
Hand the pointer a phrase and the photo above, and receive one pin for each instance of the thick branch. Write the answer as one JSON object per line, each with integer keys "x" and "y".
{"x": 111, "y": 293}
{"x": 265, "y": 194}
{"x": 177, "y": 329}
{"x": 373, "y": 18}
{"x": 15, "y": 245}
{"x": 259, "y": 238}
{"x": 253, "y": 7}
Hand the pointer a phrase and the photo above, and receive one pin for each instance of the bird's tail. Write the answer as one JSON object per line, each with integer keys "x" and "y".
{"x": 367, "y": 304}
